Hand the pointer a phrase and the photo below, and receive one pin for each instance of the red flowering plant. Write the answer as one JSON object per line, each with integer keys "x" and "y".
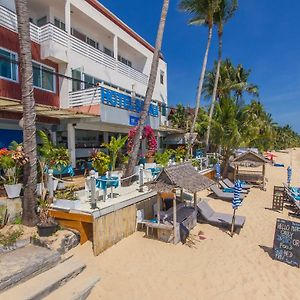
{"x": 148, "y": 133}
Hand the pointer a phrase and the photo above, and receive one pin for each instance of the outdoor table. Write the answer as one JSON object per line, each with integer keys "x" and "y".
{"x": 154, "y": 171}
{"x": 103, "y": 184}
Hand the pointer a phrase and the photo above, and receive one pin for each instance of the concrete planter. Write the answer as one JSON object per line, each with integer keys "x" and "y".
{"x": 13, "y": 190}
{"x": 67, "y": 204}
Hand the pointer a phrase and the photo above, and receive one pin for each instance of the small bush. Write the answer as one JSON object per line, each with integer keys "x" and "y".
{"x": 10, "y": 237}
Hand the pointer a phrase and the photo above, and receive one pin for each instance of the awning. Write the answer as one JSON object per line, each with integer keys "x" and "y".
{"x": 13, "y": 105}
{"x": 180, "y": 138}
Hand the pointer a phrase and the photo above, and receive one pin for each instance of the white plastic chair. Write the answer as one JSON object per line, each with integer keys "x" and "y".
{"x": 140, "y": 218}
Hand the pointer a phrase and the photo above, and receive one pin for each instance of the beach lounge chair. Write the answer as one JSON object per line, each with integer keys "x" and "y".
{"x": 227, "y": 189}
{"x": 222, "y": 195}
{"x": 230, "y": 184}
{"x": 208, "y": 215}
{"x": 295, "y": 203}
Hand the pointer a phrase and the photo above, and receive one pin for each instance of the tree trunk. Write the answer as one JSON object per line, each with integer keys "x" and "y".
{"x": 29, "y": 216}
{"x": 149, "y": 93}
{"x": 226, "y": 164}
{"x": 214, "y": 95}
{"x": 199, "y": 91}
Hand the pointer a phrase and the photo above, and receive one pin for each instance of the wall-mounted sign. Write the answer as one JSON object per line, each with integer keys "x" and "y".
{"x": 133, "y": 120}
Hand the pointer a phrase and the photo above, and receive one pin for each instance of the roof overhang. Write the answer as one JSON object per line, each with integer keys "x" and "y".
{"x": 15, "y": 106}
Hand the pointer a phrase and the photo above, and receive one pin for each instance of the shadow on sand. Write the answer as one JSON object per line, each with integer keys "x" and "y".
{"x": 268, "y": 250}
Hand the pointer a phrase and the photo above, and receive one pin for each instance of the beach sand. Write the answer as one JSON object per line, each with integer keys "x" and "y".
{"x": 218, "y": 267}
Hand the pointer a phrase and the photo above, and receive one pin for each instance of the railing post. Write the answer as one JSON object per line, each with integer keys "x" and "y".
{"x": 93, "y": 190}
{"x": 50, "y": 185}
{"x": 141, "y": 178}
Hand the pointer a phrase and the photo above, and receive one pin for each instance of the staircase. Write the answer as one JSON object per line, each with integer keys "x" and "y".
{"x": 34, "y": 273}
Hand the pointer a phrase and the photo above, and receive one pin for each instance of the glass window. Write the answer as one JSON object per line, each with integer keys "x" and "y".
{"x": 164, "y": 110}
{"x": 60, "y": 24}
{"x": 162, "y": 77}
{"x": 43, "y": 77}
{"x": 92, "y": 43}
{"x": 76, "y": 82}
{"x": 8, "y": 65}
{"x": 79, "y": 35}
{"x": 42, "y": 21}
{"x": 89, "y": 81}
{"x": 125, "y": 61}
{"x": 108, "y": 52}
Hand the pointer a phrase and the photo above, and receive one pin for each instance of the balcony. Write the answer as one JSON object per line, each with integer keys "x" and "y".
{"x": 117, "y": 108}
{"x": 55, "y": 43}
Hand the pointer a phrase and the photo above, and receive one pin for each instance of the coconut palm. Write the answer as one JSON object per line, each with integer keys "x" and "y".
{"x": 179, "y": 117}
{"x": 202, "y": 12}
{"x": 151, "y": 83}
{"x": 29, "y": 216}
{"x": 226, "y": 10}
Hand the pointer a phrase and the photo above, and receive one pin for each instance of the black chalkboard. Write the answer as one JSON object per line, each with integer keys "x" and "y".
{"x": 287, "y": 242}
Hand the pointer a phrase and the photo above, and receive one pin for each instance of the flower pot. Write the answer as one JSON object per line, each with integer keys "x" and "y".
{"x": 13, "y": 190}
{"x": 67, "y": 204}
{"x": 150, "y": 159}
{"x": 46, "y": 229}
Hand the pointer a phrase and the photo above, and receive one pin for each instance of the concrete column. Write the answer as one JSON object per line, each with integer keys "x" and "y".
{"x": 68, "y": 16}
{"x": 53, "y": 137}
{"x": 71, "y": 143}
{"x": 105, "y": 137}
{"x": 116, "y": 46}
{"x": 65, "y": 84}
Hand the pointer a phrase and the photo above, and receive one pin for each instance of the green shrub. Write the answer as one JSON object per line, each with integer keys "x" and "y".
{"x": 10, "y": 237}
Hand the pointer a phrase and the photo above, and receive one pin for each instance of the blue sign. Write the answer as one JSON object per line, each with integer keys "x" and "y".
{"x": 133, "y": 120}
{"x": 116, "y": 99}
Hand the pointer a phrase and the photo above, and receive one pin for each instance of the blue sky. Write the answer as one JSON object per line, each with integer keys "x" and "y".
{"x": 264, "y": 36}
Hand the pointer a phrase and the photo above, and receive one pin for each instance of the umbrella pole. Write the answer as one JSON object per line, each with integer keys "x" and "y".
{"x": 232, "y": 223}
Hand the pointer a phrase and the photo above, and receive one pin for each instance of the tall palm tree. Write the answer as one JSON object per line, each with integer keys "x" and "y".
{"x": 226, "y": 10}
{"x": 29, "y": 216}
{"x": 202, "y": 14}
{"x": 151, "y": 83}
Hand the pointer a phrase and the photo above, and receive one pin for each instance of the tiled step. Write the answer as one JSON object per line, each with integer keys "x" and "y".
{"x": 24, "y": 263}
{"x": 43, "y": 284}
{"x": 76, "y": 289}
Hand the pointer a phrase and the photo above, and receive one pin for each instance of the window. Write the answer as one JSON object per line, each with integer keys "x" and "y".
{"x": 125, "y": 61}
{"x": 8, "y": 65}
{"x": 42, "y": 21}
{"x": 92, "y": 43}
{"x": 76, "y": 80}
{"x": 78, "y": 34}
{"x": 43, "y": 77}
{"x": 60, "y": 24}
{"x": 164, "y": 110}
{"x": 108, "y": 52}
{"x": 90, "y": 81}
{"x": 162, "y": 77}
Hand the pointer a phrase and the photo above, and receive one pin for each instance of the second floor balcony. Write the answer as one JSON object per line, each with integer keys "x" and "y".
{"x": 55, "y": 44}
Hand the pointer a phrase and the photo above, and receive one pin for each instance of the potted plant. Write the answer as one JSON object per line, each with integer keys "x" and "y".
{"x": 47, "y": 226}
{"x": 163, "y": 158}
{"x": 100, "y": 161}
{"x": 113, "y": 147}
{"x": 12, "y": 162}
{"x": 67, "y": 198}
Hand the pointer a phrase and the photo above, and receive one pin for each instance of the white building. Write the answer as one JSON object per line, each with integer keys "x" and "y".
{"x": 85, "y": 59}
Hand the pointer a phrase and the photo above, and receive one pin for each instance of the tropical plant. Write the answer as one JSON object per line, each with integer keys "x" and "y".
{"x": 100, "y": 161}
{"x": 163, "y": 158}
{"x": 29, "y": 216}
{"x": 202, "y": 12}
{"x": 113, "y": 147}
{"x": 179, "y": 153}
{"x": 180, "y": 118}
{"x": 224, "y": 13}
{"x": 148, "y": 97}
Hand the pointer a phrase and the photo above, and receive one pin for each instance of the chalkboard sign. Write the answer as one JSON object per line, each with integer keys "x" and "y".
{"x": 287, "y": 242}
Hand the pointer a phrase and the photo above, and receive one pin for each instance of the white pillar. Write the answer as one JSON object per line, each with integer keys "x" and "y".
{"x": 116, "y": 50}
{"x": 105, "y": 137}
{"x": 65, "y": 85}
{"x": 68, "y": 16}
{"x": 53, "y": 137}
{"x": 71, "y": 143}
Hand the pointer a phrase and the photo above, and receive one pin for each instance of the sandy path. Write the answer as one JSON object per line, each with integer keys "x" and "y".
{"x": 219, "y": 267}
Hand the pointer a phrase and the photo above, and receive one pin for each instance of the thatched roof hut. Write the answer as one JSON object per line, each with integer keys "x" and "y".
{"x": 250, "y": 160}
{"x": 183, "y": 176}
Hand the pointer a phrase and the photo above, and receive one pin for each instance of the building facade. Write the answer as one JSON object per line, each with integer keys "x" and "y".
{"x": 90, "y": 74}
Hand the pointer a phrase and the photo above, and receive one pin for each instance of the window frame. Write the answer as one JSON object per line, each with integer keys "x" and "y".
{"x": 17, "y": 66}
{"x": 162, "y": 77}
{"x": 54, "y": 77}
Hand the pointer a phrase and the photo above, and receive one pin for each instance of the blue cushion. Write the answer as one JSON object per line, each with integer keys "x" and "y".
{"x": 228, "y": 190}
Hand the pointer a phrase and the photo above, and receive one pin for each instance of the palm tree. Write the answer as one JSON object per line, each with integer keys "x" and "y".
{"x": 202, "y": 13}
{"x": 29, "y": 216}
{"x": 151, "y": 83}
{"x": 179, "y": 117}
{"x": 226, "y": 10}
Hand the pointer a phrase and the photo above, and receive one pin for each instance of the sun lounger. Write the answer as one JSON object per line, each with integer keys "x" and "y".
{"x": 230, "y": 184}
{"x": 295, "y": 204}
{"x": 222, "y": 195}
{"x": 224, "y": 187}
{"x": 207, "y": 214}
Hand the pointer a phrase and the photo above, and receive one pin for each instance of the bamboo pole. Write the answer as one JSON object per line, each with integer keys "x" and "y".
{"x": 232, "y": 223}
{"x": 174, "y": 218}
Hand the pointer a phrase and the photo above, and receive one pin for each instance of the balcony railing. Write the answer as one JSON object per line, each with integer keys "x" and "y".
{"x": 109, "y": 97}
{"x": 8, "y": 19}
